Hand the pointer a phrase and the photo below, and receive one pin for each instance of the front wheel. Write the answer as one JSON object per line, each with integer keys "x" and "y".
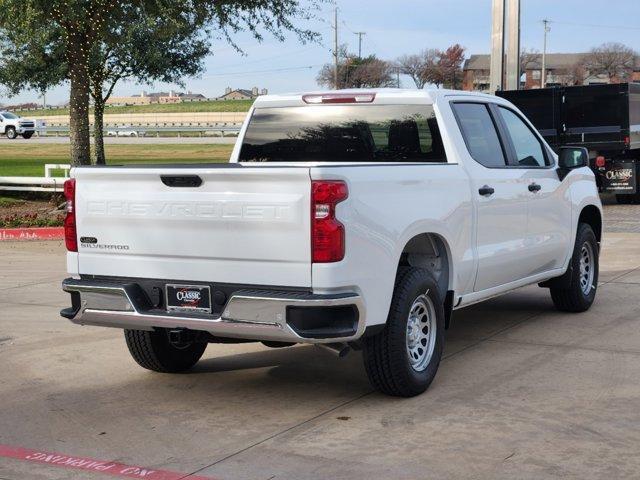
{"x": 402, "y": 360}
{"x": 579, "y": 292}
{"x": 27, "y": 135}
{"x": 155, "y": 351}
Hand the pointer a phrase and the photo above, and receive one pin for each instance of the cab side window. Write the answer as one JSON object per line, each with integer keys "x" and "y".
{"x": 480, "y": 135}
{"x": 529, "y": 150}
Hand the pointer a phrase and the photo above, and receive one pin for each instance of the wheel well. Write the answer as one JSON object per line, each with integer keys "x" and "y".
{"x": 430, "y": 251}
{"x": 592, "y": 217}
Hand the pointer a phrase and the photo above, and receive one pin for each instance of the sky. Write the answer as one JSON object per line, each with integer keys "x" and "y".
{"x": 393, "y": 28}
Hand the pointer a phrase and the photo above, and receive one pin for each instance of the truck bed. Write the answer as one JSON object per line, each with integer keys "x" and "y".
{"x": 597, "y": 117}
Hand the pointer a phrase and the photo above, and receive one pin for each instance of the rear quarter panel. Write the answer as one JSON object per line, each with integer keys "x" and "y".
{"x": 387, "y": 206}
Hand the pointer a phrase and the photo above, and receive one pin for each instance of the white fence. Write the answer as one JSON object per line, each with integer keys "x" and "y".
{"x": 48, "y": 183}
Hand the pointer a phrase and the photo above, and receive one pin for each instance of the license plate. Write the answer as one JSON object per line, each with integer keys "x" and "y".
{"x": 188, "y": 298}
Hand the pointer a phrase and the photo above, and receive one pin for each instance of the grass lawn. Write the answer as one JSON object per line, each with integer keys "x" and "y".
{"x": 28, "y": 160}
{"x": 8, "y": 201}
{"x": 187, "y": 107}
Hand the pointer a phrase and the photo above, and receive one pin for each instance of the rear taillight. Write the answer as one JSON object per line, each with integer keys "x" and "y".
{"x": 327, "y": 233}
{"x": 70, "y": 233}
{"x": 600, "y": 162}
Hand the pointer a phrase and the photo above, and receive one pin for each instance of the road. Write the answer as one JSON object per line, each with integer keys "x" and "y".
{"x": 124, "y": 140}
{"x": 523, "y": 392}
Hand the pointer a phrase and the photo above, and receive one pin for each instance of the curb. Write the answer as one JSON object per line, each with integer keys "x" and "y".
{"x": 24, "y": 234}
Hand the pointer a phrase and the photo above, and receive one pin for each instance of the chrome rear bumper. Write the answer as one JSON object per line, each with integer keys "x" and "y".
{"x": 248, "y": 314}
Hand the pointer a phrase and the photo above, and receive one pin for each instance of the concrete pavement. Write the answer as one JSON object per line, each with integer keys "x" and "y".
{"x": 523, "y": 392}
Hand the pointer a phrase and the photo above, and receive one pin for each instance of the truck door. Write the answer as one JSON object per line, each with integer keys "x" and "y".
{"x": 548, "y": 236}
{"x": 501, "y": 194}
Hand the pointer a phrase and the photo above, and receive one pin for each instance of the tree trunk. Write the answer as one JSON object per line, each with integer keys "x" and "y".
{"x": 79, "y": 103}
{"x": 98, "y": 131}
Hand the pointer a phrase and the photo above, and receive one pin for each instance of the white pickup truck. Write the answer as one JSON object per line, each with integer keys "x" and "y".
{"x": 348, "y": 219}
{"x": 13, "y": 125}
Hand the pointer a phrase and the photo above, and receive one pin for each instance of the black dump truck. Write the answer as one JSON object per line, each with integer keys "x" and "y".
{"x": 603, "y": 118}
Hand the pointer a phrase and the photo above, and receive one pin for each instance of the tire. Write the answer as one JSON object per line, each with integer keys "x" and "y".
{"x": 154, "y": 351}
{"x": 579, "y": 292}
{"x": 393, "y": 367}
{"x": 27, "y": 136}
{"x": 11, "y": 133}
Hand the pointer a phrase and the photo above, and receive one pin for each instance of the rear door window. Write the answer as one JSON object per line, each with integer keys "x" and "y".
{"x": 343, "y": 133}
{"x": 480, "y": 134}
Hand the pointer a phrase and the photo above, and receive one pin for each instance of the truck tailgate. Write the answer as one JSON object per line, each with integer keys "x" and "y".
{"x": 242, "y": 225}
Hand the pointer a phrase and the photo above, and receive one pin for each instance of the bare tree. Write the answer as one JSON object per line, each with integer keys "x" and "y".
{"x": 355, "y": 72}
{"x": 371, "y": 72}
{"x": 412, "y": 66}
{"x": 614, "y": 60}
{"x": 420, "y": 67}
{"x": 530, "y": 59}
{"x": 572, "y": 75}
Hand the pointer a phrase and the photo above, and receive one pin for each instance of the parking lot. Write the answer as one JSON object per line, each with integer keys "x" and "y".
{"x": 523, "y": 392}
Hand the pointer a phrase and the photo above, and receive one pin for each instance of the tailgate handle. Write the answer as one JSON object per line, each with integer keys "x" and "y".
{"x": 181, "y": 181}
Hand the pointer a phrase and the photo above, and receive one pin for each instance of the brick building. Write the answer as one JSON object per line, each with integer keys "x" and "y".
{"x": 562, "y": 69}
{"x": 242, "y": 93}
{"x": 157, "y": 97}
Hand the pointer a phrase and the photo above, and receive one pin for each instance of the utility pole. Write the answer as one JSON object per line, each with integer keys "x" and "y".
{"x": 335, "y": 49}
{"x": 543, "y": 78}
{"x": 360, "y": 35}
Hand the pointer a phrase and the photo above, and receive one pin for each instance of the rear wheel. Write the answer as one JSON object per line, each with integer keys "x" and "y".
{"x": 579, "y": 292}
{"x": 155, "y": 351}
{"x": 402, "y": 360}
{"x": 11, "y": 133}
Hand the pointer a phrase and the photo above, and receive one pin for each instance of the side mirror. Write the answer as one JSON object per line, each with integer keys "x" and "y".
{"x": 573, "y": 157}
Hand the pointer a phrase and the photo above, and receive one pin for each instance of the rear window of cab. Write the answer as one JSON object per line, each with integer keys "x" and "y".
{"x": 343, "y": 133}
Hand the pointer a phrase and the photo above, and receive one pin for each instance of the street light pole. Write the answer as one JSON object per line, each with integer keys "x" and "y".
{"x": 543, "y": 78}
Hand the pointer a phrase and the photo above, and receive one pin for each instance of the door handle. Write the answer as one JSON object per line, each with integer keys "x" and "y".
{"x": 486, "y": 191}
{"x": 534, "y": 187}
{"x": 181, "y": 181}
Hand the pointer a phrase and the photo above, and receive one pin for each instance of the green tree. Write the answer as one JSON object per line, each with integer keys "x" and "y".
{"x": 141, "y": 47}
{"x": 76, "y": 33}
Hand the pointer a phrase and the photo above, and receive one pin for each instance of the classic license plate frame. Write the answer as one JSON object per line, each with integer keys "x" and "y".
{"x": 195, "y": 298}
